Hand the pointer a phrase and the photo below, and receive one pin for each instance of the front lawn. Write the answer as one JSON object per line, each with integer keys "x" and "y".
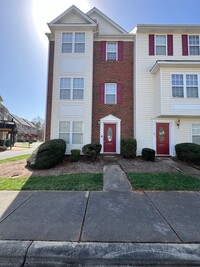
{"x": 77, "y": 182}
{"x": 163, "y": 181}
{"x": 14, "y": 158}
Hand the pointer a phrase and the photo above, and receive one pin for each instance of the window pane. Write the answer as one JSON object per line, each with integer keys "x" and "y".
{"x": 192, "y": 92}
{"x": 67, "y": 37}
{"x": 78, "y": 94}
{"x": 64, "y": 127}
{"x": 196, "y": 139}
{"x": 160, "y": 40}
{"x": 194, "y": 50}
{"x": 196, "y": 129}
{"x": 110, "y": 88}
{"x": 193, "y": 40}
{"x": 192, "y": 85}
{"x": 160, "y": 50}
{"x": 64, "y": 93}
{"x": 65, "y": 83}
{"x": 78, "y": 83}
{"x": 65, "y": 136}
{"x": 77, "y": 138}
{"x": 177, "y": 79}
{"x": 177, "y": 92}
{"x": 111, "y": 56}
{"x": 79, "y": 48}
{"x": 110, "y": 99}
{"x": 111, "y": 47}
{"x": 80, "y": 37}
{"x": 191, "y": 79}
{"x": 66, "y": 48}
{"x": 77, "y": 127}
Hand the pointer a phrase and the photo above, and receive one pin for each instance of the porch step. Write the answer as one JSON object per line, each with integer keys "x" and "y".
{"x": 109, "y": 158}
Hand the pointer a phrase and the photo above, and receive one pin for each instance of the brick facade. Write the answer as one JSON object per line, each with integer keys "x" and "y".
{"x": 113, "y": 72}
{"x": 49, "y": 91}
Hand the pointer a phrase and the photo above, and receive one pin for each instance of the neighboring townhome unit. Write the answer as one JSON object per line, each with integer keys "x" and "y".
{"x": 167, "y": 86}
{"x": 90, "y": 81}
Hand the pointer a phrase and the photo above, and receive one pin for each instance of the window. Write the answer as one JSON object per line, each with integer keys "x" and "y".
{"x": 73, "y": 42}
{"x": 72, "y": 88}
{"x": 77, "y": 132}
{"x": 196, "y": 133}
{"x": 177, "y": 85}
{"x": 185, "y": 85}
{"x": 111, "y": 51}
{"x": 192, "y": 85}
{"x": 64, "y": 131}
{"x": 160, "y": 44}
{"x": 194, "y": 45}
{"x": 110, "y": 93}
{"x": 71, "y": 131}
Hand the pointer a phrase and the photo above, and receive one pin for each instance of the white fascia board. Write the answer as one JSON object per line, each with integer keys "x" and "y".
{"x": 183, "y": 64}
{"x": 123, "y": 37}
{"x": 72, "y": 27}
{"x": 162, "y": 28}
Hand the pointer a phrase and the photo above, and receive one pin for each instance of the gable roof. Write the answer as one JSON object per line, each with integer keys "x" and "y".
{"x": 94, "y": 11}
{"x": 72, "y": 9}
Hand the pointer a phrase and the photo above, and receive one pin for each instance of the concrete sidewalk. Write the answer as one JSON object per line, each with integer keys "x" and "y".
{"x": 128, "y": 223}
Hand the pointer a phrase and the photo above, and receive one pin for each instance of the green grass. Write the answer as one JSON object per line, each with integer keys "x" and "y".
{"x": 163, "y": 181}
{"x": 14, "y": 158}
{"x": 77, "y": 182}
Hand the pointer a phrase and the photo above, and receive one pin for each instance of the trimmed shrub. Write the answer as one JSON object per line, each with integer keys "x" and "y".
{"x": 188, "y": 152}
{"x": 128, "y": 148}
{"x": 47, "y": 155}
{"x": 91, "y": 151}
{"x": 75, "y": 154}
{"x": 148, "y": 154}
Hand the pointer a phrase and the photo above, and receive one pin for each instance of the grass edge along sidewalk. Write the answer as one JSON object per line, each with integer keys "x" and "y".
{"x": 15, "y": 158}
{"x": 163, "y": 181}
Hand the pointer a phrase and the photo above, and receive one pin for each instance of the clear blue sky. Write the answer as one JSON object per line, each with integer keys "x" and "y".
{"x": 24, "y": 46}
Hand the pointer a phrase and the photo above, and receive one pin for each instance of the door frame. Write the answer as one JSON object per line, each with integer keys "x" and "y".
{"x": 171, "y": 135}
{"x": 110, "y": 119}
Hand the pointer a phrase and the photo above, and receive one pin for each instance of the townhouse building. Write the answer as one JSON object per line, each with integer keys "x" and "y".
{"x": 167, "y": 86}
{"x": 106, "y": 84}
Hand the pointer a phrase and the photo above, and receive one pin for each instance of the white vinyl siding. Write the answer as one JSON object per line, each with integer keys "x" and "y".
{"x": 185, "y": 85}
{"x": 110, "y": 93}
{"x": 194, "y": 45}
{"x": 72, "y": 88}
{"x": 111, "y": 51}
{"x": 196, "y": 133}
{"x": 71, "y": 131}
{"x": 161, "y": 44}
{"x": 73, "y": 42}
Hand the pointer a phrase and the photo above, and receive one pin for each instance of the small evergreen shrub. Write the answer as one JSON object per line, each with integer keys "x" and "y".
{"x": 188, "y": 152}
{"x": 47, "y": 155}
{"x": 91, "y": 151}
{"x": 128, "y": 148}
{"x": 148, "y": 154}
{"x": 75, "y": 154}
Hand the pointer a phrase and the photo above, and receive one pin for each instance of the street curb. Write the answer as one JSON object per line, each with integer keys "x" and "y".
{"x": 42, "y": 253}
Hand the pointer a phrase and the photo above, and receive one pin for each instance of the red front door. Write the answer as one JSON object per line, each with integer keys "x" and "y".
{"x": 110, "y": 138}
{"x": 162, "y": 138}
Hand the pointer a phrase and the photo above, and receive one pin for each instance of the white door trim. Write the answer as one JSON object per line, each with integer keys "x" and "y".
{"x": 112, "y": 120}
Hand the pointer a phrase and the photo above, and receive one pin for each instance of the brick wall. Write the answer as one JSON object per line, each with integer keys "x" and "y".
{"x": 113, "y": 72}
{"x": 49, "y": 91}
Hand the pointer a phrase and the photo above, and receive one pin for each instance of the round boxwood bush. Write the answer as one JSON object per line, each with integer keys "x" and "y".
{"x": 75, "y": 155}
{"x": 188, "y": 152}
{"x": 47, "y": 155}
{"x": 148, "y": 154}
{"x": 91, "y": 151}
{"x": 128, "y": 148}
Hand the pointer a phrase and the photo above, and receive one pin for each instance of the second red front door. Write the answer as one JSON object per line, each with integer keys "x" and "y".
{"x": 110, "y": 138}
{"x": 162, "y": 138}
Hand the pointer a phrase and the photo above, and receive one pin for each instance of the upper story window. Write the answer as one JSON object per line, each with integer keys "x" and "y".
{"x": 194, "y": 45}
{"x": 111, "y": 51}
{"x": 196, "y": 133}
{"x": 110, "y": 93}
{"x": 73, "y": 42}
{"x": 161, "y": 45}
{"x": 72, "y": 88}
{"x": 185, "y": 85}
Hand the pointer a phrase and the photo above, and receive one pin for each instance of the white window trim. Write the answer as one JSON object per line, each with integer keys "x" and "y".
{"x": 184, "y": 84}
{"x": 112, "y": 94}
{"x": 73, "y": 43}
{"x": 116, "y": 50}
{"x": 193, "y": 45}
{"x": 71, "y": 130}
{"x": 155, "y": 45}
{"x": 192, "y": 132}
{"x": 71, "y": 89}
